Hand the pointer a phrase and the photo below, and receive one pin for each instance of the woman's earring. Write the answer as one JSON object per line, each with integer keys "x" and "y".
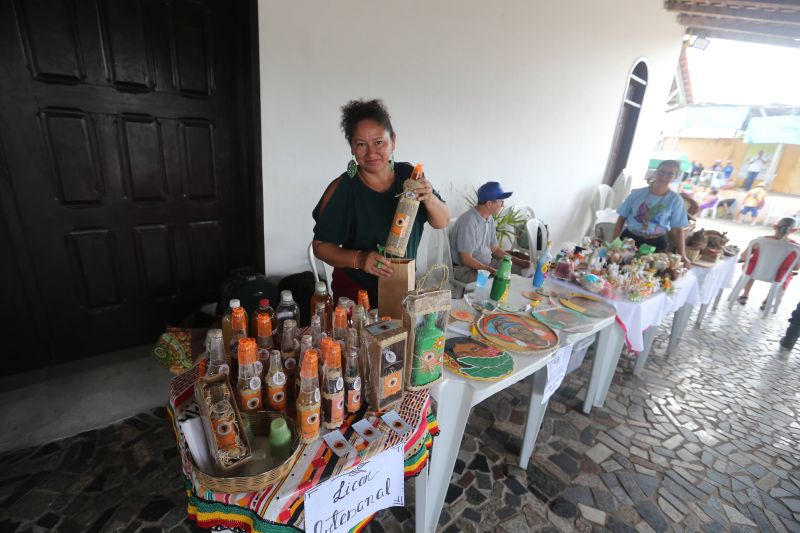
{"x": 352, "y": 167}
{"x": 391, "y": 162}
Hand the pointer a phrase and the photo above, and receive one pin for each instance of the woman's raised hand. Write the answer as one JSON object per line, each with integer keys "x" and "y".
{"x": 376, "y": 264}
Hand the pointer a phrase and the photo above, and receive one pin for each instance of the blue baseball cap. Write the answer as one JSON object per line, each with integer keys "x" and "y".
{"x": 491, "y": 190}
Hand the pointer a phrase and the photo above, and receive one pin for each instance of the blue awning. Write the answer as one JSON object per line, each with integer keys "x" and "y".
{"x": 773, "y": 130}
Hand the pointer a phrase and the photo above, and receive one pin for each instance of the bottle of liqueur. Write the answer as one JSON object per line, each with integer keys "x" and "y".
{"x": 333, "y": 389}
{"x": 276, "y": 383}
{"x": 308, "y": 401}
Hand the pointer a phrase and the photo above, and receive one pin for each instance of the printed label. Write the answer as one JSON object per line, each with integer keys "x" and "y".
{"x": 339, "y": 384}
{"x": 250, "y": 400}
{"x": 316, "y": 395}
{"x": 279, "y": 378}
{"x": 353, "y": 401}
{"x": 357, "y": 383}
{"x": 390, "y": 356}
{"x": 392, "y": 383}
{"x": 255, "y": 383}
{"x": 276, "y": 398}
{"x": 308, "y": 418}
{"x": 337, "y": 409}
{"x": 290, "y": 364}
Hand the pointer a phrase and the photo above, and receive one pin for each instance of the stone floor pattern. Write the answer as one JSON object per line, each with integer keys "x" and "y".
{"x": 707, "y": 440}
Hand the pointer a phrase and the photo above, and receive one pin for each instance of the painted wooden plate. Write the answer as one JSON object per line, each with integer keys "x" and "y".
{"x": 564, "y": 319}
{"x": 588, "y": 305}
{"x": 516, "y": 333}
{"x": 474, "y": 359}
{"x": 461, "y": 315}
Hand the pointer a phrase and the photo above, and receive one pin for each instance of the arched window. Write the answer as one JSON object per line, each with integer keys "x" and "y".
{"x": 626, "y": 123}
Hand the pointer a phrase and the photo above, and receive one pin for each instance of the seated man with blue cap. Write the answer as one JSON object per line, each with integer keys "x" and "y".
{"x": 473, "y": 237}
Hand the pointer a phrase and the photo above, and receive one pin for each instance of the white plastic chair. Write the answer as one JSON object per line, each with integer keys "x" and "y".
{"x": 621, "y": 188}
{"x": 712, "y": 211}
{"x": 327, "y": 269}
{"x": 603, "y": 198}
{"x": 532, "y": 227}
{"x": 771, "y": 255}
{"x": 457, "y": 286}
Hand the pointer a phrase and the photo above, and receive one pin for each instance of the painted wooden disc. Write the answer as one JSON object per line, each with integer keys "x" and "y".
{"x": 516, "y": 333}
{"x": 474, "y": 359}
{"x": 588, "y": 305}
{"x": 564, "y": 319}
{"x": 461, "y": 315}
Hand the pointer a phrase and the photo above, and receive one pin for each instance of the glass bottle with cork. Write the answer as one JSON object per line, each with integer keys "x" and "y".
{"x": 333, "y": 389}
{"x": 308, "y": 401}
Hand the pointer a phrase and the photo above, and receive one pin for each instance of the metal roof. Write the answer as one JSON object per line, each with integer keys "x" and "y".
{"x": 762, "y": 21}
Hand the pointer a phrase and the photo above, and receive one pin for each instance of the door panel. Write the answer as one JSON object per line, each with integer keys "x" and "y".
{"x": 120, "y": 125}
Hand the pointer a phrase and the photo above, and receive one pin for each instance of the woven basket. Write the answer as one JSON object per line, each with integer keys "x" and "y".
{"x": 259, "y": 422}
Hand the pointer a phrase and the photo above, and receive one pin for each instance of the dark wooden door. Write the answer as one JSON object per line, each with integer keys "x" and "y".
{"x": 128, "y": 171}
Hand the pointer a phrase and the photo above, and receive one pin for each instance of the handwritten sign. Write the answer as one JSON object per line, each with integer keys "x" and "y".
{"x": 556, "y": 370}
{"x": 343, "y": 501}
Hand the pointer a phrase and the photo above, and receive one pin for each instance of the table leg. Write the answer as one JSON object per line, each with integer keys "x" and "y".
{"x": 421, "y": 498}
{"x": 717, "y": 299}
{"x": 701, "y": 315}
{"x": 535, "y": 416}
{"x": 679, "y": 322}
{"x": 454, "y": 401}
{"x": 641, "y": 359}
{"x": 609, "y": 346}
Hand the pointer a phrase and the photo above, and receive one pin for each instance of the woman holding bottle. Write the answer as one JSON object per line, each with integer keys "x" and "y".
{"x": 355, "y": 214}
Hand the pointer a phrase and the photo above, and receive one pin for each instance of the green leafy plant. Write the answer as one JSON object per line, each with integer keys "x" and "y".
{"x": 508, "y": 220}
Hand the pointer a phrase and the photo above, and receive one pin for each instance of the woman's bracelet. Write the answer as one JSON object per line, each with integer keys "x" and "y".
{"x": 355, "y": 259}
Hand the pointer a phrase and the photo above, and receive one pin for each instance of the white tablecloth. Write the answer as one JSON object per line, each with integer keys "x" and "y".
{"x": 636, "y": 317}
{"x": 714, "y": 279}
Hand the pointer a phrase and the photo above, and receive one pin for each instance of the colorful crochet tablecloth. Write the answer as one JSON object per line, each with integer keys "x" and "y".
{"x": 280, "y": 507}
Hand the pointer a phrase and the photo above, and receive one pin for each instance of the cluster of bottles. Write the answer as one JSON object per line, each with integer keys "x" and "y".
{"x": 317, "y": 376}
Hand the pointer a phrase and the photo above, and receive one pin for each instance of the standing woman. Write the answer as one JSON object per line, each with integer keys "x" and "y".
{"x": 648, "y": 214}
{"x": 355, "y": 213}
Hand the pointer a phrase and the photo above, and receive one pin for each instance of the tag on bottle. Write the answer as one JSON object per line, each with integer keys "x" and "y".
{"x": 390, "y": 356}
{"x": 367, "y": 431}
{"x": 357, "y": 383}
{"x": 279, "y": 378}
{"x": 316, "y": 395}
{"x": 395, "y": 423}
{"x": 339, "y": 384}
{"x": 255, "y": 383}
{"x": 338, "y": 444}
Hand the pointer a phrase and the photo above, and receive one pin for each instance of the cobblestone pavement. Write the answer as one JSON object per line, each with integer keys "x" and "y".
{"x": 124, "y": 477}
{"x": 706, "y": 440}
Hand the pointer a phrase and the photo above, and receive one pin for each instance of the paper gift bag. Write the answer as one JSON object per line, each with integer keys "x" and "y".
{"x": 426, "y": 312}
{"x": 392, "y": 290}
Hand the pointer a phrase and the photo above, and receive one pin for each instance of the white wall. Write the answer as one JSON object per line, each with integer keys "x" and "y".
{"x": 525, "y": 92}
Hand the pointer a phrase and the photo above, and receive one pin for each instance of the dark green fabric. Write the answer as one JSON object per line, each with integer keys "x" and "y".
{"x": 358, "y": 218}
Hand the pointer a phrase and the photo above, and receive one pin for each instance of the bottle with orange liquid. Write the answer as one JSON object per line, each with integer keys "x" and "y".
{"x": 264, "y": 337}
{"x": 225, "y": 324}
{"x": 249, "y": 383}
{"x": 340, "y": 325}
{"x": 352, "y": 382}
{"x": 263, "y": 309}
{"x": 322, "y": 296}
{"x": 238, "y": 332}
{"x": 333, "y": 389}
{"x": 363, "y": 299}
{"x": 308, "y": 401}
{"x": 276, "y": 383}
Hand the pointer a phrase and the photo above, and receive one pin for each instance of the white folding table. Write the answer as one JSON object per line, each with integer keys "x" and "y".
{"x": 456, "y": 396}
